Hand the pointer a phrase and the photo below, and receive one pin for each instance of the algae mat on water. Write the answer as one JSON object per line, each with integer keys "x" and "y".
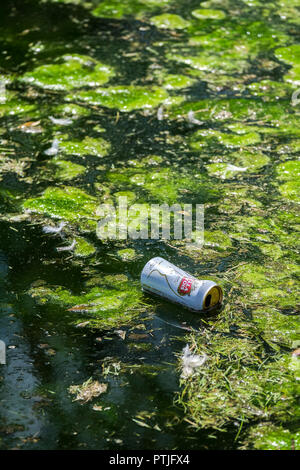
{"x": 161, "y": 102}
{"x": 70, "y": 71}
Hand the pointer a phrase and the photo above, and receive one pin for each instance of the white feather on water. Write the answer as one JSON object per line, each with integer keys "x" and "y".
{"x": 53, "y": 150}
{"x": 191, "y": 361}
{"x": 233, "y": 168}
{"x": 160, "y": 113}
{"x": 61, "y": 121}
{"x": 236, "y": 168}
{"x": 67, "y": 248}
{"x": 191, "y": 118}
{"x": 54, "y": 230}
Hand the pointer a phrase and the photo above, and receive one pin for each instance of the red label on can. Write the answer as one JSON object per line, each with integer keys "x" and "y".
{"x": 185, "y": 286}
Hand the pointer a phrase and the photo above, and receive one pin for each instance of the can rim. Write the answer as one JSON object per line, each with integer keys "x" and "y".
{"x": 209, "y": 295}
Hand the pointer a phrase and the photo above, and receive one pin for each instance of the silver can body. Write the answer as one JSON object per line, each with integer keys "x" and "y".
{"x": 170, "y": 282}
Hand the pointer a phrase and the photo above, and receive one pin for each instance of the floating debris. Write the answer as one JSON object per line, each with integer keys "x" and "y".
{"x": 67, "y": 248}
{"x": 224, "y": 170}
{"x": 54, "y": 230}
{"x": 97, "y": 408}
{"x": 160, "y": 113}
{"x": 120, "y": 333}
{"x": 82, "y": 324}
{"x": 31, "y": 127}
{"x": 159, "y": 277}
{"x": 84, "y": 308}
{"x": 125, "y": 98}
{"x": 88, "y": 390}
{"x": 191, "y": 118}
{"x": 61, "y": 121}
{"x": 191, "y": 361}
{"x": 53, "y": 150}
{"x": 236, "y": 168}
{"x": 137, "y": 336}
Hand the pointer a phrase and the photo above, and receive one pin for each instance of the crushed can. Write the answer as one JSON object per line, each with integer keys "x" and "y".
{"x": 170, "y": 282}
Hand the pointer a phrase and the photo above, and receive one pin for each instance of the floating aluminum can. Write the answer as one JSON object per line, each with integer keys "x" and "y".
{"x": 166, "y": 280}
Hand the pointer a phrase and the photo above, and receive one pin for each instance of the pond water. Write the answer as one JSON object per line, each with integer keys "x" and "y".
{"x": 163, "y": 102}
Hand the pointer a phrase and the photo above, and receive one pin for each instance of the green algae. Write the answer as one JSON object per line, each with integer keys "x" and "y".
{"x": 130, "y": 195}
{"x": 67, "y": 203}
{"x": 151, "y": 160}
{"x": 292, "y": 147}
{"x": 273, "y": 251}
{"x": 122, "y": 8}
{"x": 257, "y": 227}
{"x": 71, "y": 110}
{"x": 67, "y": 170}
{"x": 165, "y": 185}
{"x": 71, "y": 71}
{"x": 272, "y": 284}
{"x": 127, "y": 254}
{"x": 124, "y": 98}
{"x": 115, "y": 9}
{"x": 226, "y": 50}
{"x": 111, "y": 302}
{"x": 252, "y": 160}
{"x": 290, "y": 190}
{"x": 76, "y": 2}
{"x": 224, "y": 170}
{"x": 169, "y": 21}
{"x": 270, "y": 90}
{"x": 15, "y": 106}
{"x": 240, "y": 109}
{"x": 218, "y": 240}
{"x": 290, "y": 55}
{"x": 276, "y": 328}
{"x": 219, "y": 392}
{"x": 289, "y": 171}
{"x": 97, "y": 147}
{"x": 206, "y": 62}
{"x": 240, "y": 40}
{"x": 203, "y": 138}
{"x": 83, "y": 248}
{"x": 205, "y": 14}
{"x": 271, "y": 437}
{"x": 174, "y": 81}
{"x": 237, "y": 164}
{"x": 235, "y": 198}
